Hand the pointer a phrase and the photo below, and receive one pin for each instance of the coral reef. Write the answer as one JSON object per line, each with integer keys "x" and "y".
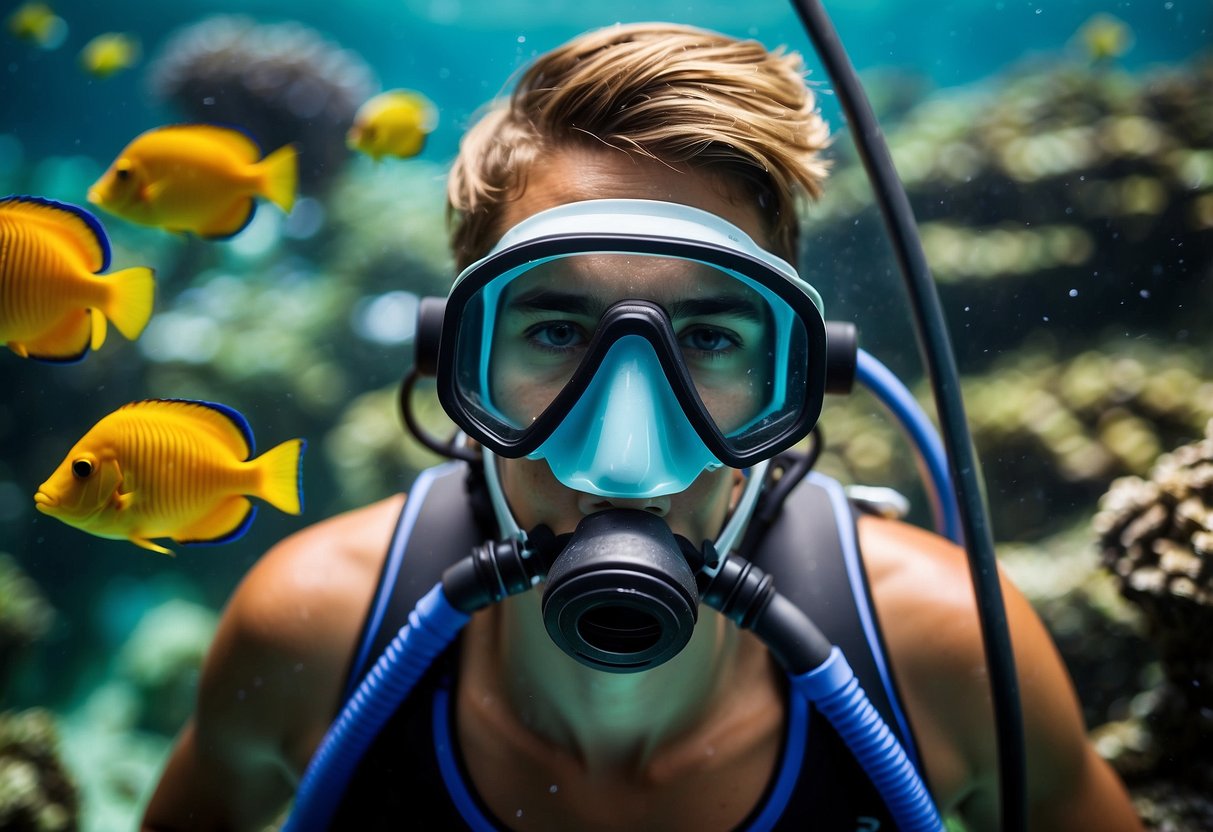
{"x": 36, "y": 792}
{"x": 281, "y": 82}
{"x": 25, "y": 616}
{"x": 1063, "y": 198}
{"x": 1051, "y": 432}
{"x": 1156, "y": 538}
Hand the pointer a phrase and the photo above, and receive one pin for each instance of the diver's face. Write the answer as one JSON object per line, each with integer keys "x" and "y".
{"x": 575, "y": 174}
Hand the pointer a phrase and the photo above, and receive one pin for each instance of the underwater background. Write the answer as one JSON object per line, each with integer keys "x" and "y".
{"x": 1059, "y": 158}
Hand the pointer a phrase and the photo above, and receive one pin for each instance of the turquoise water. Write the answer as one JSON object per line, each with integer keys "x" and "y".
{"x": 303, "y": 323}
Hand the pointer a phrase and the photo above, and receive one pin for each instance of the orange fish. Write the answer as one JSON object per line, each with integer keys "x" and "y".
{"x": 53, "y": 301}
{"x": 199, "y": 178}
{"x": 171, "y": 468}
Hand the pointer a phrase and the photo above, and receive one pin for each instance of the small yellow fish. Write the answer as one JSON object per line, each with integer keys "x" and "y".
{"x": 53, "y": 302}
{"x": 37, "y": 23}
{"x": 171, "y": 468}
{"x": 393, "y": 123}
{"x": 1105, "y": 38}
{"x": 200, "y": 178}
{"x": 109, "y": 53}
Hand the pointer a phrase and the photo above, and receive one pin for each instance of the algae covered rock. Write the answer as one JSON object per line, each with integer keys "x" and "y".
{"x": 37, "y": 794}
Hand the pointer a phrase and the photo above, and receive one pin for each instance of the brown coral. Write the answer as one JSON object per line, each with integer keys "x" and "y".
{"x": 1156, "y": 536}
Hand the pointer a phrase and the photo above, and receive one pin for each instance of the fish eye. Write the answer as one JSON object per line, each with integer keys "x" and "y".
{"x": 82, "y": 468}
{"x": 122, "y": 174}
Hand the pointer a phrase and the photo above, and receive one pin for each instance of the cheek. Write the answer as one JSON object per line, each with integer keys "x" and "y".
{"x": 699, "y": 513}
{"x": 536, "y": 496}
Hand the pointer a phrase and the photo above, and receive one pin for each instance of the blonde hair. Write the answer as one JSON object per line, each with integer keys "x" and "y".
{"x": 678, "y": 94}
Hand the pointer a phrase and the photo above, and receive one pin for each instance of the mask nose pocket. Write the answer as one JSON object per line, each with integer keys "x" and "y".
{"x": 627, "y": 436}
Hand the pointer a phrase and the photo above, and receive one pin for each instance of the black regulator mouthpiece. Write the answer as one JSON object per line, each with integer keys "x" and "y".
{"x": 622, "y": 595}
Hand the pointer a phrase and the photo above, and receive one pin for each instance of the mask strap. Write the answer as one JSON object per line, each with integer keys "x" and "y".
{"x": 506, "y": 523}
{"x": 736, "y": 525}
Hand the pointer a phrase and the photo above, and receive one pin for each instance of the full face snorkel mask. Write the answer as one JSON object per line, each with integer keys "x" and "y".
{"x": 633, "y": 345}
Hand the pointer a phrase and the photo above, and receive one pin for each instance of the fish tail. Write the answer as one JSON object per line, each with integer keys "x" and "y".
{"x": 280, "y": 175}
{"x": 129, "y": 304}
{"x": 281, "y": 474}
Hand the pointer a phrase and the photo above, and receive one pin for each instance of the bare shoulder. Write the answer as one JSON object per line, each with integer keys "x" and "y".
{"x": 925, "y": 602}
{"x": 284, "y": 642}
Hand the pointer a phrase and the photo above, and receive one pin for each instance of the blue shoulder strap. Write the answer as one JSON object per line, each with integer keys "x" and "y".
{"x": 436, "y": 528}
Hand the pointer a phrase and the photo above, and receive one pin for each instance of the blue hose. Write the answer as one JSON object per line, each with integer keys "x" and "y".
{"x": 834, "y": 690}
{"x": 433, "y": 624}
{"x": 878, "y": 379}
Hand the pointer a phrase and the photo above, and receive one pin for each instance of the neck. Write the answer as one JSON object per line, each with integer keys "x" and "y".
{"x": 610, "y": 722}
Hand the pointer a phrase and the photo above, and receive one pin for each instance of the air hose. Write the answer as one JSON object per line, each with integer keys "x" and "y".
{"x": 886, "y": 387}
{"x": 945, "y": 384}
{"x": 433, "y": 625}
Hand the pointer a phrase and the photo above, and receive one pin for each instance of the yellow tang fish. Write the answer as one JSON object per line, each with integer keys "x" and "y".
{"x": 53, "y": 302}
{"x": 37, "y": 22}
{"x": 109, "y": 53}
{"x": 200, "y": 178}
{"x": 1105, "y": 38}
{"x": 393, "y": 123}
{"x": 171, "y": 468}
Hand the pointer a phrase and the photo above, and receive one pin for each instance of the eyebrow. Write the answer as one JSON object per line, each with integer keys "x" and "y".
{"x": 572, "y": 303}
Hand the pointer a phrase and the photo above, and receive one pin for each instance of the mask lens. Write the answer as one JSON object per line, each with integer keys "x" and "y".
{"x": 524, "y": 334}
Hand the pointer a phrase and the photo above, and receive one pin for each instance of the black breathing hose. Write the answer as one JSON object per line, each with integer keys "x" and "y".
{"x": 945, "y": 383}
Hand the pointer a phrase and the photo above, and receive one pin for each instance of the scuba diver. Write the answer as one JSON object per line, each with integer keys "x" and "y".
{"x": 650, "y": 613}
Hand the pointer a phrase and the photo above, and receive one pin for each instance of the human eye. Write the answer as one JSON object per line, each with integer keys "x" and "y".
{"x": 555, "y": 336}
{"x": 708, "y": 341}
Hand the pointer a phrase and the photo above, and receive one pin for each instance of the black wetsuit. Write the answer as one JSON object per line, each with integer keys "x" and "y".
{"x": 412, "y": 776}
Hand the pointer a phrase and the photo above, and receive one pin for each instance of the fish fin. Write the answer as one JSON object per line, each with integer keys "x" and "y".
{"x": 281, "y": 470}
{"x": 18, "y": 348}
{"x": 234, "y": 138}
{"x": 129, "y": 304}
{"x": 69, "y": 340}
{"x": 122, "y": 500}
{"x": 76, "y": 227}
{"x": 280, "y": 176}
{"x": 232, "y": 222}
{"x": 99, "y": 328}
{"x": 152, "y": 190}
{"x": 144, "y": 543}
{"x": 223, "y": 422}
{"x": 229, "y": 521}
